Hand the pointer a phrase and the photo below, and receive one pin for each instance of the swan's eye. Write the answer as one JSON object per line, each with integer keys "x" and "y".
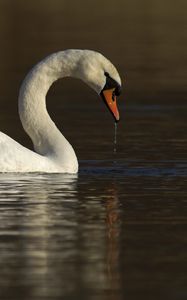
{"x": 112, "y": 84}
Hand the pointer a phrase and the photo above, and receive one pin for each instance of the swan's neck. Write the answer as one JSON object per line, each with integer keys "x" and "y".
{"x": 46, "y": 137}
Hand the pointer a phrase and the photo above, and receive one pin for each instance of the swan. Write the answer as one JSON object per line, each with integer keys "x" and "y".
{"x": 53, "y": 153}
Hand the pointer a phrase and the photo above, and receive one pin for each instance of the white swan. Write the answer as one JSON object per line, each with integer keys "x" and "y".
{"x": 54, "y": 154}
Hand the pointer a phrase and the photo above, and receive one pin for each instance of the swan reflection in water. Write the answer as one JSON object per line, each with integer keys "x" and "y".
{"x": 57, "y": 239}
{"x": 113, "y": 222}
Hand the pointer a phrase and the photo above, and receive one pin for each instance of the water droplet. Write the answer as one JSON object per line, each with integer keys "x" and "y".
{"x": 115, "y": 140}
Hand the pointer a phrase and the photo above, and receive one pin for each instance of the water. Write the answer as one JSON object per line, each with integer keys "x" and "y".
{"x": 117, "y": 229}
{"x": 113, "y": 231}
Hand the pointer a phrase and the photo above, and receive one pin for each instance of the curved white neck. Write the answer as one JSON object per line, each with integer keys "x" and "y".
{"x": 46, "y": 137}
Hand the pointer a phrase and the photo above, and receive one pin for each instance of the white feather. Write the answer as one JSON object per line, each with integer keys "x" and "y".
{"x": 53, "y": 152}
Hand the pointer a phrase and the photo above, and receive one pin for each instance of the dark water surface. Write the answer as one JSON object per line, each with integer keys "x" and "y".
{"x": 117, "y": 230}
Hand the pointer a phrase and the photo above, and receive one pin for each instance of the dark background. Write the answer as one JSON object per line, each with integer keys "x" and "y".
{"x": 117, "y": 230}
{"x": 146, "y": 41}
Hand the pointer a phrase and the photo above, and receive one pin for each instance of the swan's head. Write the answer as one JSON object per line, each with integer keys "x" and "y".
{"x": 100, "y": 74}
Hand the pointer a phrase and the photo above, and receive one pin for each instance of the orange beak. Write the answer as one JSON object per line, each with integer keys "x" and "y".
{"x": 110, "y": 100}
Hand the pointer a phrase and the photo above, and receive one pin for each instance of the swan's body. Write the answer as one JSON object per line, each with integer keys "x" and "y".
{"x": 53, "y": 152}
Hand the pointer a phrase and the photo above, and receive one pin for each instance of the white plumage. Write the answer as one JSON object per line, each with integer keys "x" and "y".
{"x": 53, "y": 152}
